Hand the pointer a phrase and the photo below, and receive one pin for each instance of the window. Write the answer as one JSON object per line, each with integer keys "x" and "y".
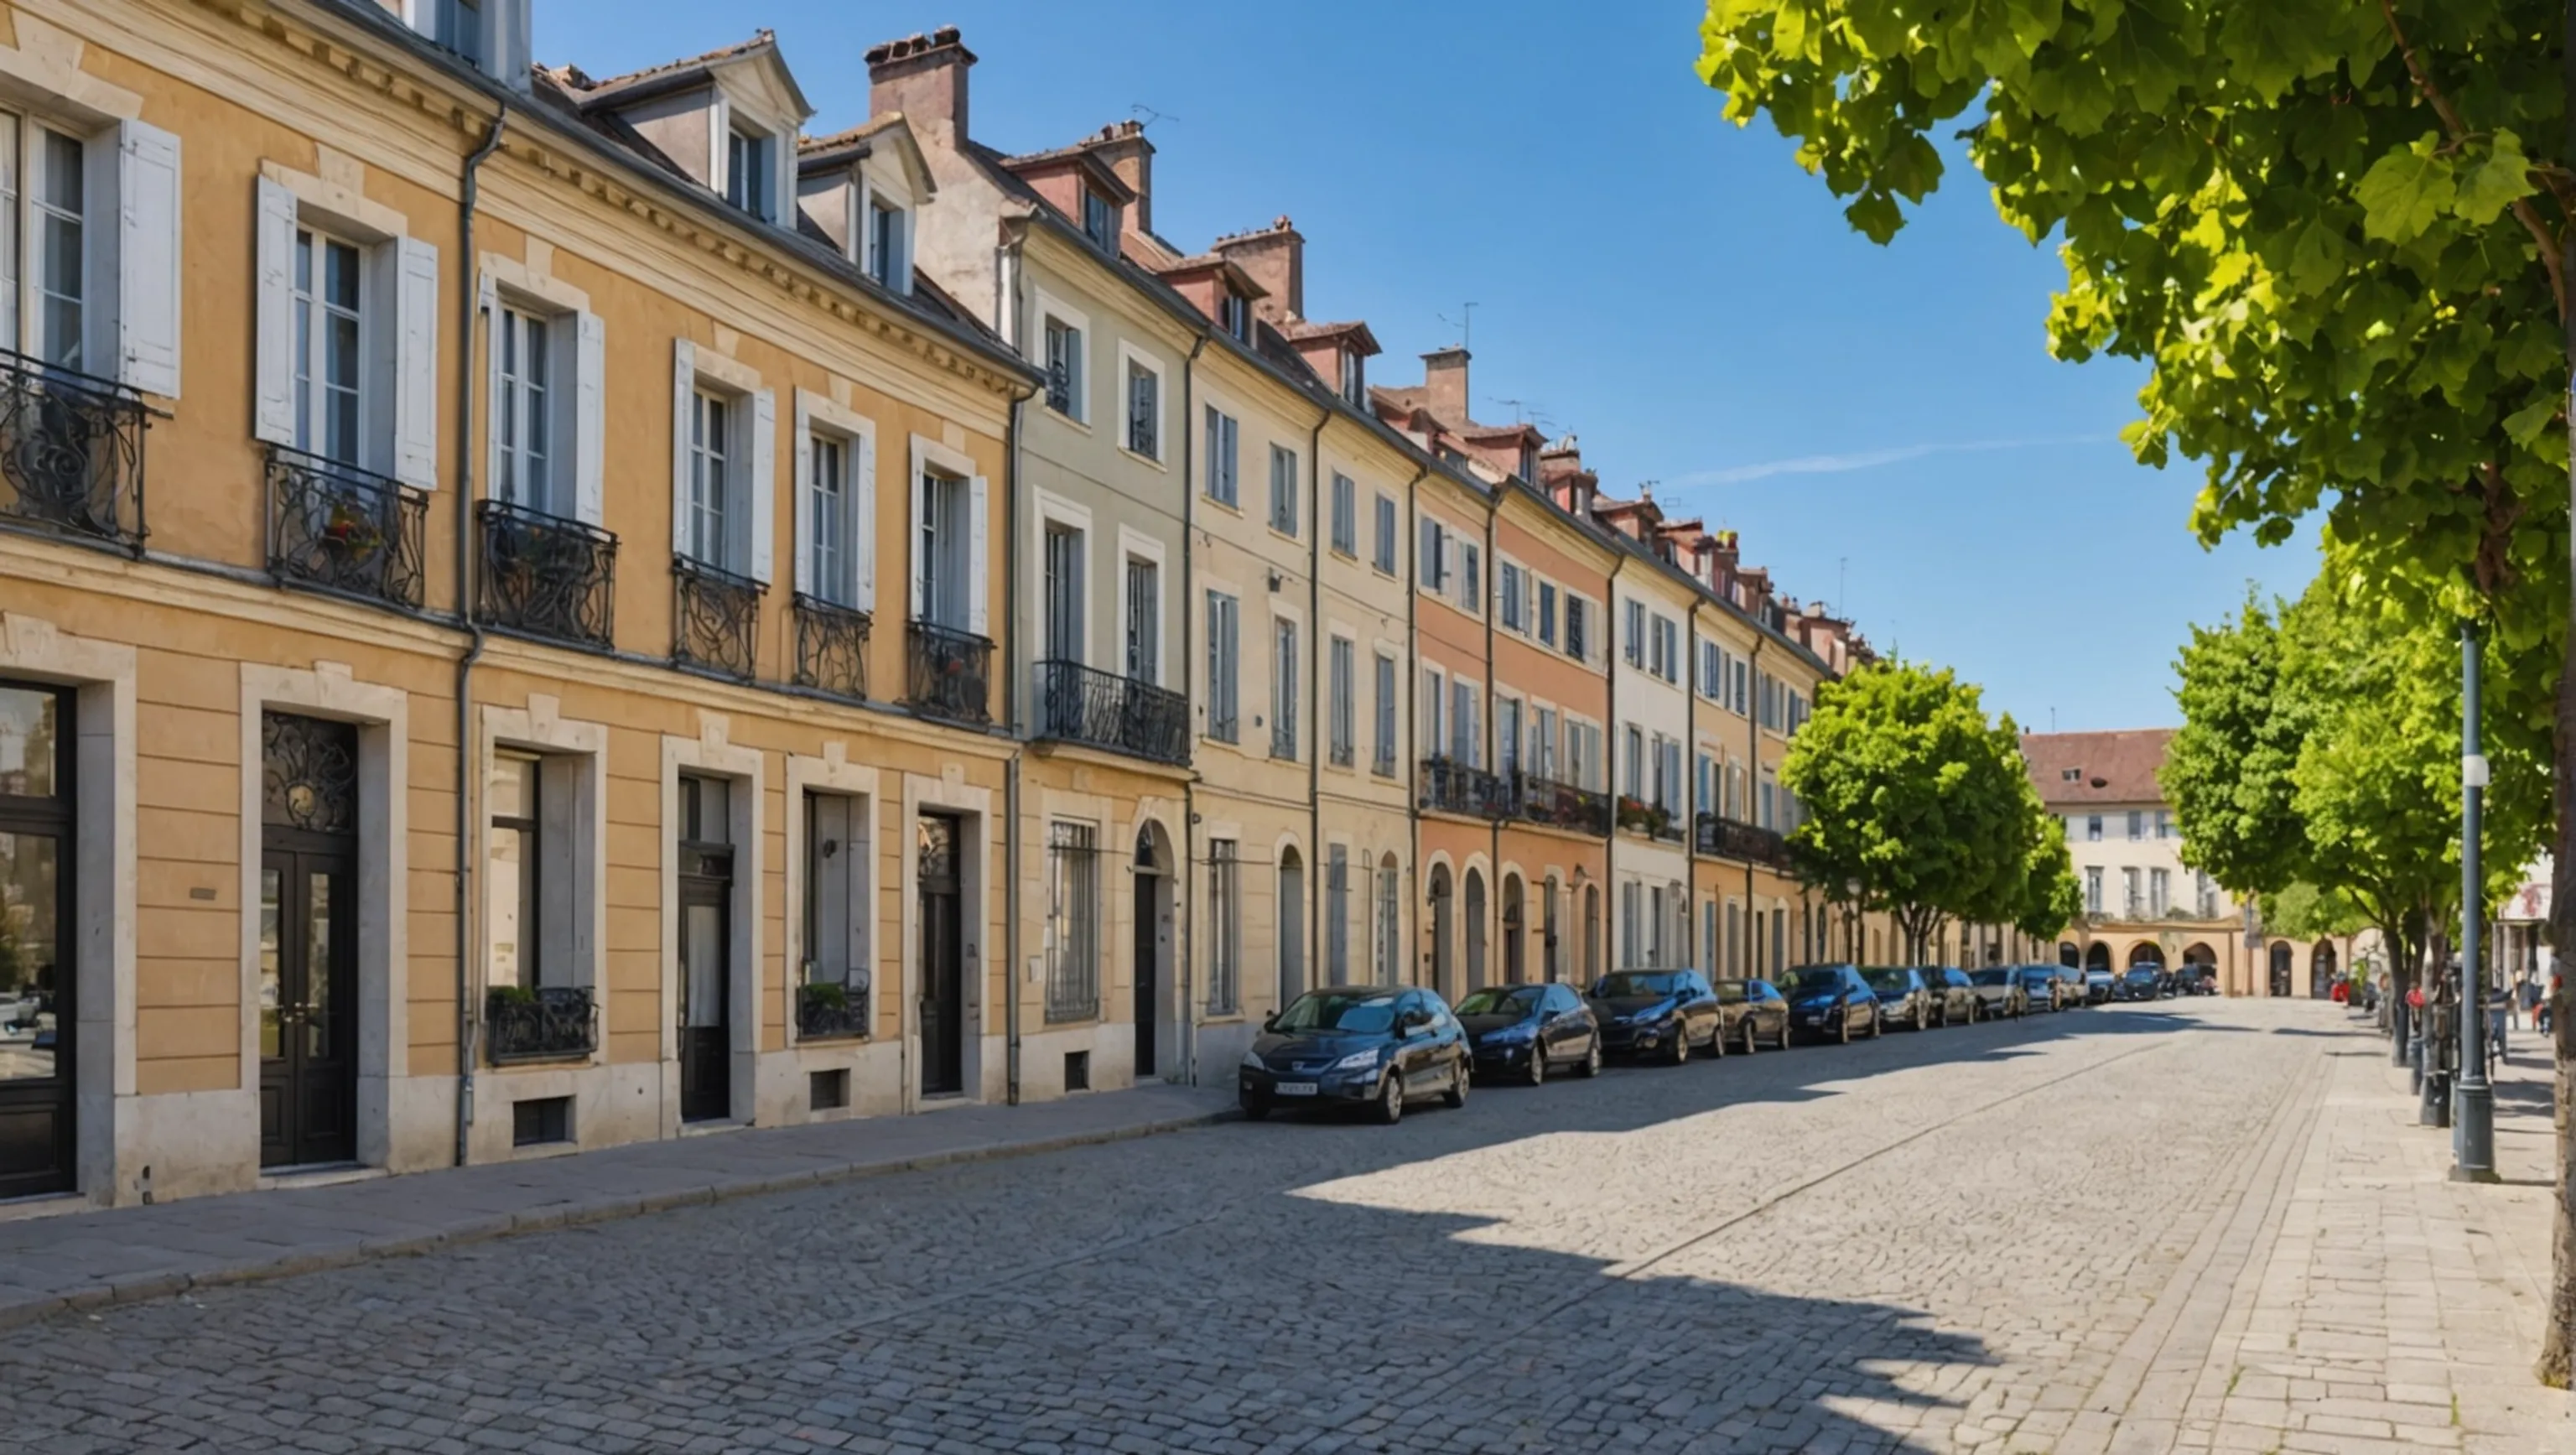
{"x": 1390, "y": 939}
{"x": 2071, "y": 775}
{"x": 748, "y": 171}
{"x": 1100, "y": 219}
{"x": 710, "y": 431}
{"x": 1065, "y": 639}
{"x": 1466, "y": 729}
{"x": 1354, "y": 379}
{"x": 1633, "y": 646}
{"x": 1667, "y": 649}
{"x": 1283, "y": 490}
{"x": 1435, "y": 556}
{"x": 1435, "y": 690}
{"x": 837, "y": 920}
{"x": 1668, "y": 775}
{"x": 1386, "y": 534}
{"x": 2130, "y": 900}
{"x": 2137, "y": 825}
{"x": 1144, "y": 621}
{"x": 1471, "y": 593}
{"x": 2204, "y": 895}
{"x": 2164, "y": 823}
{"x": 1541, "y": 752}
{"x": 946, "y": 574}
{"x": 1222, "y": 656}
{"x": 1710, "y": 672}
{"x": 522, "y": 409}
{"x": 1743, "y": 702}
{"x": 1234, "y": 315}
{"x": 1144, "y": 410}
{"x": 1073, "y": 922}
{"x": 1337, "y": 915}
{"x": 1511, "y": 589}
{"x": 827, "y": 504}
{"x": 888, "y": 257}
{"x": 1583, "y": 765}
{"x": 1064, "y": 368}
{"x": 458, "y": 25}
{"x": 2159, "y": 892}
{"x": 1225, "y": 927}
{"x": 1220, "y": 456}
{"x": 1578, "y": 628}
{"x": 1346, "y": 510}
{"x": 1507, "y": 736}
{"x": 514, "y": 883}
{"x": 1283, "y": 689}
{"x": 1632, "y": 764}
{"x": 1344, "y": 716}
{"x": 329, "y": 311}
{"x": 1547, "y": 612}
{"x": 1383, "y": 760}
{"x": 2093, "y": 828}
{"x": 1290, "y": 917}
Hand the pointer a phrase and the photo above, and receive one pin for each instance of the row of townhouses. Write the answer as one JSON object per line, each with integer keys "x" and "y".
{"x": 541, "y": 611}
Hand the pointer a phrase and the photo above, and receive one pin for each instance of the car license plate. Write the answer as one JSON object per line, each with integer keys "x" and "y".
{"x": 1294, "y": 1088}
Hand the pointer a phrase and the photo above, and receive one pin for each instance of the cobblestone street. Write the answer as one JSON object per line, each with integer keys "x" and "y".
{"x": 2109, "y": 1230}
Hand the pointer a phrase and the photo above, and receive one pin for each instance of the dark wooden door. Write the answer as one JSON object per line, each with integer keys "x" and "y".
{"x": 943, "y": 969}
{"x": 706, "y": 998}
{"x": 38, "y": 1020}
{"x": 1148, "y": 958}
{"x": 308, "y": 964}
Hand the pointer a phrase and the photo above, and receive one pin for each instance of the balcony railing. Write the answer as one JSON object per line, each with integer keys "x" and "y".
{"x": 335, "y": 527}
{"x": 1560, "y": 805}
{"x": 554, "y": 1023}
{"x": 1725, "y": 838}
{"x": 1449, "y": 786}
{"x": 71, "y": 453}
{"x": 715, "y": 618}
{"x": 831, "y": 648}
{"x": 948, "y": 673}
{"x": 829, "y": 1012}
{"x": 547, "y": 576}
{"x": 1645, "y": 816}
{"x": 1079, "y": 704}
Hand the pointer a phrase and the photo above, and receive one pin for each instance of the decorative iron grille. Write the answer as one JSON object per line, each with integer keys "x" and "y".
{"x": 335, "y": 527}
{"x": 948, "y": 673}
{"x": 552, "y": 1023}
{"x": 715, "y": 618}
{"x": 547, "y": 576}
{"x": 831, "y": 648}
{"x": 1725, "y": 838}
{"x": 1560, "y": 805}
{"x": 1085, "y": 705}
{"x": 829, "y": 1012}
{"x": 71, "y": 452}
{"x": 1449, "y": 786}
{"x": 308, "y": 773}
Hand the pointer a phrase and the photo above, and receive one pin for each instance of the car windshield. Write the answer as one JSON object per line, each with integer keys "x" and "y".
{"x": 1641, "y": 982}
{"x": 1992, "y": 977}
{"x": 1820, "y": 979}
{"x": 1501, "y": 1000}
{"x": 2143, "y": 972}
{"x": 1887, "y": 980}
{"x": 1357, "y": 1013}
{"x": 1731, "y": 992}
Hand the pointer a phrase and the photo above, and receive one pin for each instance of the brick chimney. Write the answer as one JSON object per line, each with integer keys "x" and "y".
{"x": 1444, "y": 383}
{"x": 1123, "y": 146}
{"x": 1275, "y": 258}
{"x": 924, "y": 77}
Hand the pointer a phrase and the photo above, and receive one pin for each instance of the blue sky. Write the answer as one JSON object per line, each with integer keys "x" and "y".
{"x": 1880, "y": 422}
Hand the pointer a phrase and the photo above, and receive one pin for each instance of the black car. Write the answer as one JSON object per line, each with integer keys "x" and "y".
{"x": 2041, "y": 987}
{"x": 1666, "y": 1013}
{"x": 1832, "y": 1002}
{"x": 1954, "y": 996}
{"x": 1903, "y": 997}
{"x": 1355, "y": 1045}
{"x": 1525, "y": 1030}
{"x": 2000, "y": 993}
{"x": 2195, "y": 979}
{"x": 1752, "y": 1013}
{"x": 2139, "y": 982}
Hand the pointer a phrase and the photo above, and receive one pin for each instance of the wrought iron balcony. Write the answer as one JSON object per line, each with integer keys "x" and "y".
{"x": 829, "y": 1012}
{"x": 1645, "y": 816}
{"x": 1079, "y": 704}
{"x": 1725, "y": 838}
{"x": 1560, "y": 805}
{"x": 546, "y": 576}
{"x": 1449, "y": 786}
{"x": 335, "y": 527}
{"x": 715, "y": 618}
{"x": 948, "y": 673}
{"x": 553, "y": 1023}
{"x": 831, "y": 648}
{"x": 71, "y": 453}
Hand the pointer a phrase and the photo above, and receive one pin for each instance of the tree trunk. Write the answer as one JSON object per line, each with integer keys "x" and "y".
{"x": 2558, "y": 1324}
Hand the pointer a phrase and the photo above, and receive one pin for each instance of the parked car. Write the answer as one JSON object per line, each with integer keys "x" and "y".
{"x": 1753, "y": 1013}
{"x": 1527, "y": 1030}
{"x": 1954, "y": 995}
{"x": 2195, "y": 979}
{"x": 2140, "y": 982}
{"x": 1999, "y": 992}
{"x": 2040, "y": 987}
{"x": 2072, "y": 990}
{"x": 1903, "y": 998}
{"x": 1666, "y": 1013}
{"x": 2097, "y": 986}
{"x": 1832, "y": 1002}
{"x": 1355, "y": 1045}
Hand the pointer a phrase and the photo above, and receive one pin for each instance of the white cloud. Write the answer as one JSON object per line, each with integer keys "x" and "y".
{"x": 1869, "y": 459}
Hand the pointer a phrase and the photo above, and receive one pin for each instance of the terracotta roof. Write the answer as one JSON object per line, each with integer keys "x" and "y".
{"x": 2116, "y": 767}
{"x": 809, "y": 148}
{"x": 573, "y": 79}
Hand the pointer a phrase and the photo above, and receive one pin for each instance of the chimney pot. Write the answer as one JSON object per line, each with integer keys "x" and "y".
{"x": 924, "y": 77}
{"x": 1444, "y": 379}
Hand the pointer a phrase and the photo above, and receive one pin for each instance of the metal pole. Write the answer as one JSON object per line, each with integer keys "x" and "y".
{"x": 2473, "y": 1111}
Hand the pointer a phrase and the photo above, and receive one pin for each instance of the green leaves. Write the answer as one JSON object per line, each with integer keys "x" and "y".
{"x": 2494, "y": 181}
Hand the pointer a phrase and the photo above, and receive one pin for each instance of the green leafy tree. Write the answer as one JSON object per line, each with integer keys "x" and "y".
{"x": 2303, "y": 911}
{"x": 2227, "y": 769}
{"x": 2051, "y": 896}
{"x": 2342, "y": 234}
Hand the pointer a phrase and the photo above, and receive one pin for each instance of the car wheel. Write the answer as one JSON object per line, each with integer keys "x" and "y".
{"x": 1390, "y": 1099}
{"x": 1681, "y": 1045}
{"x": 1538, "y": 1064}
{"x": 1592, "y": 1058}
{"x": 1457, "y": 1096}
{"x": 1255, "y": 1108}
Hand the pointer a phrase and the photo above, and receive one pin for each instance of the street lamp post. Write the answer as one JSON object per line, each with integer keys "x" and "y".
{"x": 2473, "y": 1100}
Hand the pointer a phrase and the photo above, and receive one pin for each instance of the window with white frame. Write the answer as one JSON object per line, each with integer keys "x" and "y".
{"x": 723, "y": 456}
{"x": 2093, "y": 889}
{"x": 1542, "y": 744}
{"x": 1578, "y": 627}
{"x": 1100, "y": 218}
{"x": 1223, "y": 670}
{"x": 1547, "y": 612}
{"x": 1073, "y": 921}
{"x": 1386, "y": 533}
{"x": 1064, "y": 369}
{"x": 89, "y": 247}
{"x": 1346, "y": 509}
{"x": 751, "y": 170}
{"x": 1632, "y": 763}
{"x": 1354, "y": 379}
{"x": 1222, "y": 438}
{"x": 1343, "y": 667}
{"x": 1383, "y": 760}
{"x": 1234, "y": 315}
{"x": 1471, "y": 588}
{"x": 1511, "y": 593}
{"x": 514, "y": 877}
{"x": 525, "y": 403}
{"x": 1144, "y": 624}
{"x": 1283, "y": 490}
{"x": 1064, "y": 595}
{"x": 709, "y": 527}
{"x": 827, "y": 544}
{"x": 1435, "y": 711}
{"x": 889, "y": 243}
{"x": 331, "y": 338}
{"x": 1466, "y": 724}
{"x": 1434, "y": 572}
{"x": 345, "y": 353}
{"x": 1283, "y": 688}
{"x": 1337, "y": 914}
{"x": 835, "y": 483}
{"x": 1632, "y": 647}
{"x": 1225, "y": 927}
{"x": 1668, "y": 649}
{"x": 942, "y": 552}
{"x": 1508, "y": 712}
{"x": 1144, "y": 409}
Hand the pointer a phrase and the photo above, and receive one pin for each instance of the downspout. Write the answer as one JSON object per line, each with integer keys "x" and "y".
{"x": 1753, "y": 762}
{"x": 1011, "y": 769}
{"x": 1690, "y": 759}
{"x": 1610, "y": 741}
{"x": 468, "y": 296}
{"x": 1411, "y": 550}
{"x": 1185, "y": 864}
{"x": 1493, "y": 717}
{"x": 1315, "y": 856}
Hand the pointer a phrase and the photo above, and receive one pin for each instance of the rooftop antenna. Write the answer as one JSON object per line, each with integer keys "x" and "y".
{"x": 1146, "y": 115}
{"x": 1465, "y": 323}
{"x": 1523, "y": 410}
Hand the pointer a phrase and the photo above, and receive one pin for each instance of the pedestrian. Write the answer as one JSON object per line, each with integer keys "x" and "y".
{"x": 2499, "y": 1005}
{"x": 2527, "y": 986}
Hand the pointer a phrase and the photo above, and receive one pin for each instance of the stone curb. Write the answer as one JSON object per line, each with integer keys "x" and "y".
{"x": 140, "y": 1287}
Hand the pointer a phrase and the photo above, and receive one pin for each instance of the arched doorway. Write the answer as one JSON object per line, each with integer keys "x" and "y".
{"x": 1292, "y": 925}
{"x": 2067, "y": 954}
{"x": 1150, "y": 921}
{"x": 2199, "y": 954}
{"x": 1440, "y": 929}
{"x": 2281, "y": 962}
{"x": 2098, "y": 957}
{"x": 1515, "y": 937}
{"x": 2321, "y": 970}
{"x": 2144, "y": 952}
{"x": 1475, "y": 930}
{"x": 1550, "y": 954}
{"x": 1591, "y": 933}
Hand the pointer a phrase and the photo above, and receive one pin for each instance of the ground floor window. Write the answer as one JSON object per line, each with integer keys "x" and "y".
{"x": 37, "y": 1016}
{"x": 1225, "y": 927}
{"x": 1073, "y": 922}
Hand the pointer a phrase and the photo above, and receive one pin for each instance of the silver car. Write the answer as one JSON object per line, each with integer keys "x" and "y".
{"x": 1999, "y": 992}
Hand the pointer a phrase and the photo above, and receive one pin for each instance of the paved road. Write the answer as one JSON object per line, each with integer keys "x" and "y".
{"x": 1953, "y": 1240}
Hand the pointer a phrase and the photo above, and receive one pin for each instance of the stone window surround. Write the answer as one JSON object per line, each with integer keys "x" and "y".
{"x": 540, "y": 729}
{"x": 858, "y": 782}
{"x": 710, "y": 754}
{"x": 1135, "y": 545}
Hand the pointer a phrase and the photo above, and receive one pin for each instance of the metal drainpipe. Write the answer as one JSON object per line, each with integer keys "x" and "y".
{"x": 1690, "y": 760}
{"x": 1184, "y": 865}
{"x": 1011, "y": 768}
{"x": 1315, "y": 631}
{"x": 1412, "y": 554}
{"x": 1753, "y": 767}
{"x": 1610, "y": 740}
{"x": 469, "y": 297}
{"x": 1493, "y": 827}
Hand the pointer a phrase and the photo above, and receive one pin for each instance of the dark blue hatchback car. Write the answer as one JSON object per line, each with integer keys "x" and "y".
{"x": 1374, "y": 1046}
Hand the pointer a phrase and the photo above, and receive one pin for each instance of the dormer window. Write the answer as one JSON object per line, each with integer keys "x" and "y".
{"x": 1234, "y": 315}
{"x": 1100, "y": 219}
{"x": 458, "y": 25}
{"x": 1529, "y": 462}
{"x": 1354, "y": 379}
{"x": 748, "y": 170}
{"x": 887, "y": 261}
